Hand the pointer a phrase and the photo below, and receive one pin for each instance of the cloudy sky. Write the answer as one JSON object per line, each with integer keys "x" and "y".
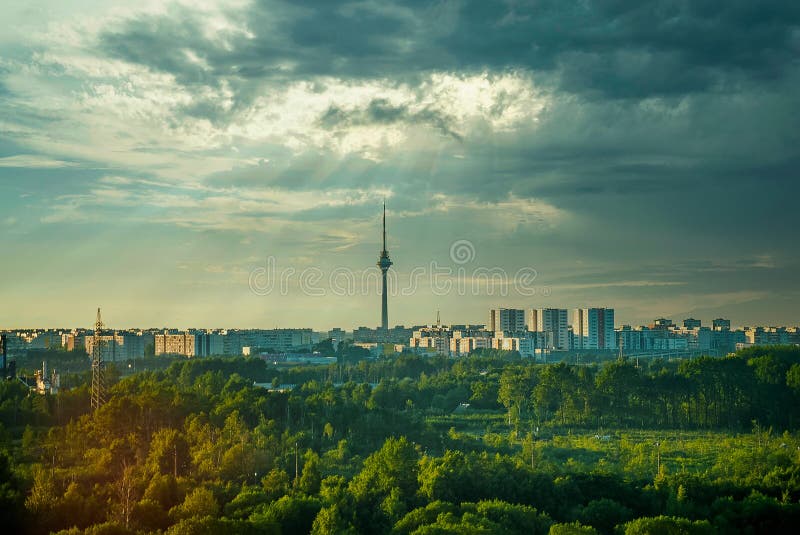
{"x": 157, "y": 158}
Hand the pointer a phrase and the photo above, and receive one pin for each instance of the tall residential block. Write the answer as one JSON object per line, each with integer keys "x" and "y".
{"x": 721, "y": 324}
{"x": 554, "y": 324}
{"x": 506, "y": 319}
{"x": 533, "y": 320}
{"x": 593, "y": 328}
{"x": 691, "y": 323}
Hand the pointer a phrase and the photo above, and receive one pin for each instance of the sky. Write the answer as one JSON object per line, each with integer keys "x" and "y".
{"x": 224, "y": 164}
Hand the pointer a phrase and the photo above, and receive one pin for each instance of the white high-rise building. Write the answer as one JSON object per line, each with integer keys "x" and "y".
{"x": 506, "y": 319}
{"x": 554, "y": 324}
{"x": 533, "y": 320}
{"x": 594, "y": 328}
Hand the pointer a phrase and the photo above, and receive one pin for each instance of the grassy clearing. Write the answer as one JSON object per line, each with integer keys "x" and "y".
{"x": 635, "y": 454}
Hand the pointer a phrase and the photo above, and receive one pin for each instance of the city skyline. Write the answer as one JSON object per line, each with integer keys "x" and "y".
{"x": 570, "y": 322}
{"x": 154, "y": 155}
{"x": 540, "y": 334}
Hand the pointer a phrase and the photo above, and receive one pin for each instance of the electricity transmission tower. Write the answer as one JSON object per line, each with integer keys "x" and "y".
{"x": 98, "y": 386}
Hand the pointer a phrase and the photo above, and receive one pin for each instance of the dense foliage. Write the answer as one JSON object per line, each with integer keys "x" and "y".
{"x": 489, "y": 443}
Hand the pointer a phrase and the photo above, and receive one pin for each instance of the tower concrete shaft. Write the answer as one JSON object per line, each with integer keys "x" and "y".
{"x": 384, "y": 263}
{"x": 384, "y": 306}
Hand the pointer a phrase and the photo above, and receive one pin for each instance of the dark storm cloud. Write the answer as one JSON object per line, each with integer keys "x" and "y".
{"x": 632, "y": 48}
{"x": 161, "y": 43}
{"x": 382, "y": 112}
{"x": 347, "y": 30}
{"x": 287, "y": 41}
{"x": 617, "y": 49}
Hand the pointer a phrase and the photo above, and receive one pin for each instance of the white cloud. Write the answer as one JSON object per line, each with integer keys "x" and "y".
{"x": 620, "y": 284}
{"x": 203, "y": 207}
{"x": 504, "y": 215}
{"x": 34, "y": 161}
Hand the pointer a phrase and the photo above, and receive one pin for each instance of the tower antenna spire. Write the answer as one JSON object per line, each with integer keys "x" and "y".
{"x": 384, "y": 226}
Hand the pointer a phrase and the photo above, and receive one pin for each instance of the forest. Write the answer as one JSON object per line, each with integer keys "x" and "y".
{"x": 484, "y": 444}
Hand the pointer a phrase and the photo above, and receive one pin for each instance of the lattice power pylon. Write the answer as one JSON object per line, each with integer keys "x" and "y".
{"x": 98, "y": 385}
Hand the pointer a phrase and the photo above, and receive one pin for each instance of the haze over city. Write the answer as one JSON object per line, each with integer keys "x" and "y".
{"x": 154, "y": 154}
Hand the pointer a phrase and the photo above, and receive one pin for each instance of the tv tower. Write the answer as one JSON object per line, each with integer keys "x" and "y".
{"x": 384, "y": 264}
{"x": 98, "y": 385}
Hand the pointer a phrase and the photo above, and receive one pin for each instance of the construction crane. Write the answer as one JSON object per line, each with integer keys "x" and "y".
{"x": 98, "y": 384}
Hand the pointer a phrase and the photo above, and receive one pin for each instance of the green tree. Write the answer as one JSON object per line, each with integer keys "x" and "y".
{"x": 310, "y": 478}
{"x": 169, "y": 453}
{"x": 148, "y": 516}
{"x": 513, "y": 518}
{"x": 513, "y": 391}
{"x": 665, "y": 525}
{"x": 329, "y": 521}
{"x": 386, "y": 486}
{"x": 395, "y": 465}
{"x": 576, "y": 528}
{"x": 199, "y": 503}
{"x": 12, "y": 499}
{"x": 275, "y": 484}
{"x": 793, "y": 378}
{"x": 324, "y": 347}
{"x": 294, "y": 514}
{"x": 604, "y": 514}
